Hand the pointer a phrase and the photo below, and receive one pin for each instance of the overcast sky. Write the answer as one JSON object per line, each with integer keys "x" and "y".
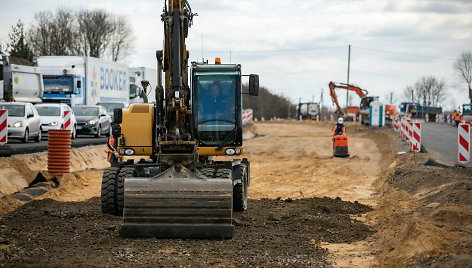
{"x": 297, "y": 47}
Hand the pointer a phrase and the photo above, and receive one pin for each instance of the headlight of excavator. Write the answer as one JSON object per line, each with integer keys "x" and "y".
{"x": 129, "y": 151}
{"x": 237, "y": 151}
{"x": 230, "y": 151}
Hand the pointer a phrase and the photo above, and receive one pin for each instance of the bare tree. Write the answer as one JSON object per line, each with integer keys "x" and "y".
{"x": 86, "y": 33}
{"x": 95, "y": 30}
{"x": 54, "y": 34}
{"x": 463, "y": 66}
{"x": 428, "y": 91}
{"x": 121, "y": 39}
{"x": 409, "y": 93}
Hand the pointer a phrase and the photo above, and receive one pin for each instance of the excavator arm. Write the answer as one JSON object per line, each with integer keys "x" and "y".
{"x": 332, "y": 91}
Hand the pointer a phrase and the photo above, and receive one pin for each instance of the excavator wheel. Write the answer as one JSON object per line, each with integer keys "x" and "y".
{"x": 126, "y": 172}
{"x": 240, "y": 189}
{"x": 108, "y": 197}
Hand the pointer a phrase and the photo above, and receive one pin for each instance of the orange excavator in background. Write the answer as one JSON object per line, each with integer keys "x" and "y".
{"x": 362, "y": 93}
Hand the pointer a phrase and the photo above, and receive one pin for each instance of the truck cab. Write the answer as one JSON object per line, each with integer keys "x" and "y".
{"x": 64, "y": 79}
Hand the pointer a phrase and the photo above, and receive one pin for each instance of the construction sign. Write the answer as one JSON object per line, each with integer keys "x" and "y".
{"x": 463, "y": 142}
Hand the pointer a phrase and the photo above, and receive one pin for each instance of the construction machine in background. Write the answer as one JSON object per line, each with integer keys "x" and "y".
{"x": 362, "y": 93}
{"x": 181, "y": 191}
{"x": 416, "y": 110}
{"x": 308, "y": 111}
{"x": 467, "y": 113}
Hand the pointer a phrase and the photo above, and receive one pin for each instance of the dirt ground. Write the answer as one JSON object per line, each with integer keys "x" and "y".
{"x": 307, "y": 209}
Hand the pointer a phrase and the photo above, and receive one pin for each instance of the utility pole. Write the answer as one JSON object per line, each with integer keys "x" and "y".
{"x": 412, "y": 100}
{"x": 321, "y": 103}
{"x": 391, "y": 97}
{"x": 348, "y": 70}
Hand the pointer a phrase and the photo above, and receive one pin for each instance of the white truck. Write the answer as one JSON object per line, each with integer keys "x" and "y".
{"x": 77, "y": 80}
{"x": 138, "y": 74}
{"x": 19, "y": 82}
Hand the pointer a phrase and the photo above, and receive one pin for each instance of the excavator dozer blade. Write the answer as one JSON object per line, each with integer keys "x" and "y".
{"x": 178, "y": 204}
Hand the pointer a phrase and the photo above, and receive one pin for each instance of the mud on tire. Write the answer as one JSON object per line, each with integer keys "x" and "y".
{"x": 240, "y": 189}
{"x": 108, "y": 191}
{"x": 120, "y": 188}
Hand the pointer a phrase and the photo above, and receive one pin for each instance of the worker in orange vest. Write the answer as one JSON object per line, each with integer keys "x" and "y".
{"x": 339, "y": 128}
{"x": 456, "y": 117}
{"x": 113, "y": 156}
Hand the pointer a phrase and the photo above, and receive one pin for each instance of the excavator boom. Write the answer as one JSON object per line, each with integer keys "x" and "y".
{"x": 332, "y": 91}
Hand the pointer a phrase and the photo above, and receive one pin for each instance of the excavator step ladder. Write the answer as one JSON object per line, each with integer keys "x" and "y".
{"x": 178, "y": 204}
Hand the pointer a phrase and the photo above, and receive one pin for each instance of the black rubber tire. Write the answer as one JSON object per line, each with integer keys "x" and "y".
{"x": 240, "y": 199}
{"x": 73, "y": 134}
{"x": 108, "y": 197}
{"x": 126, "y": 172}
{"x": 38, "y": 138}
{"x": 26, "y": 137}
{"x": 99, "y": 132}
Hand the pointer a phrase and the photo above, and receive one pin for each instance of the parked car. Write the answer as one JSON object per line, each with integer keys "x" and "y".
{"x": 23, "y": 121}
{"x": 92, "y": 120}
{"x": 52, "y": 117}
{"x": 112, "y": 105}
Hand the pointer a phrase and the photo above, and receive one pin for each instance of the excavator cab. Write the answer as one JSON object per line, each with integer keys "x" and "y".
{"x": 217, "y": 108}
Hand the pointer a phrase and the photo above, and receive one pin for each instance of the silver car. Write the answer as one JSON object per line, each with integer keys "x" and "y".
{"x": 52, "y": 117}
{"x": 23, "y": 121}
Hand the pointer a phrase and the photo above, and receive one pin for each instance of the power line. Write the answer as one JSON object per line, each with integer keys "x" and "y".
{"x": 262, "y": 51}
{"x": 403, "y": 54}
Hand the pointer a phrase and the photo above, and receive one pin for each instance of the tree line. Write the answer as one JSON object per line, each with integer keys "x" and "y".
{"x": 94, "y": 33}
{"x": 268, "y": 105}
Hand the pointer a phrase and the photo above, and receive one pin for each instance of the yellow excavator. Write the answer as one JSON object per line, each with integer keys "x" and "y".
{"x": 180, "y": 191}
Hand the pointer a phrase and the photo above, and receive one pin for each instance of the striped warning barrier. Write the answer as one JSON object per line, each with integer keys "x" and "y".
{"x": 416, "y": 137}
{"x": 247, "y": 116}
{"x": 67, "y": 123}
{"x": 463, "y": 140}
{"x": 3, "y": 126}
{"x": 394, "y": 124}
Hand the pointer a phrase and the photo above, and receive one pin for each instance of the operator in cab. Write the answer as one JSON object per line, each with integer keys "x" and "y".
{"x": 339, "y": 128}
{"x": 216, "y": 104}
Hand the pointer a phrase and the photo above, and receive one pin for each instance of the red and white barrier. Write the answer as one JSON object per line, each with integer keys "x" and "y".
{"x": 416, "y": 137}
{"x": 3, "y": 126}
{"x": 67, "y": 120}
{"x": 247, "y": 116}
{"x": 410, "y": 131}
{"x": 395, "y": 124}
{"x": 463, "y": 140}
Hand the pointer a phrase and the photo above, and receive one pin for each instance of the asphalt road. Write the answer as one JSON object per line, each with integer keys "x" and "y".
{"x": 35, "y": 147}
{"x": 441, "y": 139}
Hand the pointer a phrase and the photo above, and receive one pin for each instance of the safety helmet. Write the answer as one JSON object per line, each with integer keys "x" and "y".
{"x": 340, "y": 120}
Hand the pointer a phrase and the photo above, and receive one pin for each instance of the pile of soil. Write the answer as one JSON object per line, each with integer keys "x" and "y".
{"x": 424, "y": 218}
{"x": 271, "y": 233}
{"x": 444, "y": 185}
